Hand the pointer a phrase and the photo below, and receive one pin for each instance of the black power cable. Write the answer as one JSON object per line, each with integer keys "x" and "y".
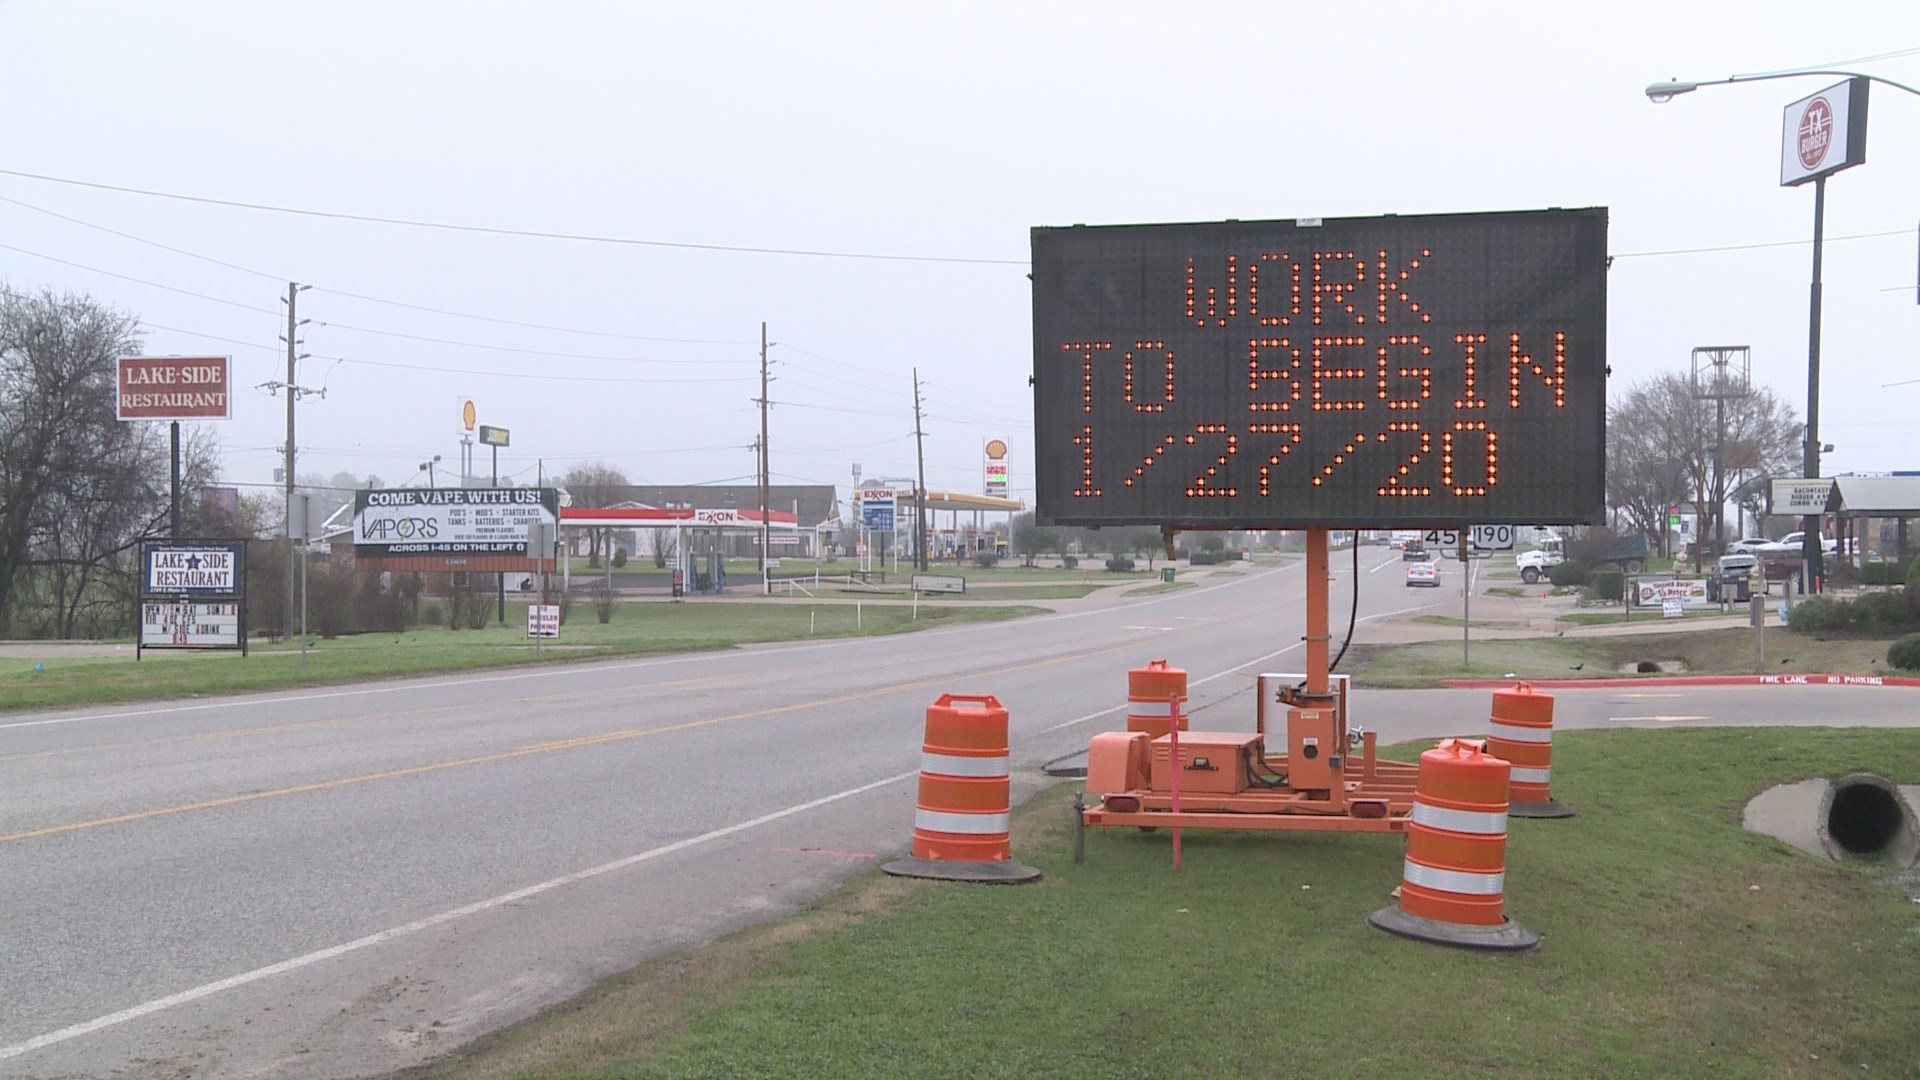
{"x": 1353, "y": 615}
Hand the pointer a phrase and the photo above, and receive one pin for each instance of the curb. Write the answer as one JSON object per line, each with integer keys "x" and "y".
{"x": 1690, "y": 680}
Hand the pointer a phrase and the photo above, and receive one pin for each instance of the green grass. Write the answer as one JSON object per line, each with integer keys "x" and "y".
{"x": 1445, "y": 620}
{"x": 1598, "y": 618}
{"x": 1675, "y": 944}
{"x": 636, "y": 629}
{"x": 1507, "y": 590}
{"x": 1165, "y": 586}
{"x": 1042, "y": 591}
{"x": 1726, "y": 651}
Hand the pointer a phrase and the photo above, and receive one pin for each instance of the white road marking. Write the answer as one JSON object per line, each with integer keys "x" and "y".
{"x": 1222, "y": 674}
{"x": 547, "y": 672}
{"x": 148, "y": 1008}
{"x": 1661, "y": 719}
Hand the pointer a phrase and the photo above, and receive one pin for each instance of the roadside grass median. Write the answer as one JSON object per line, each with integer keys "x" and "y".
{"x": 1727, "y": 651}
{"x": 1646, "y": 614}
{"x": 635, "y": 630}
{"x": 1675, "y": 944}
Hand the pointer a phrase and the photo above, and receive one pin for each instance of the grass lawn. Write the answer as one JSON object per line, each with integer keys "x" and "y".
{"x": 1446, "y": 620}
{"x": 1507, "y": 590}
{"x": 1704, "y": 652}
{"x": 635, "y": 629}
{"x": 1596, "y": 618}
{"x": 1675, "y": 944}
{"x": 1165, "y": 586}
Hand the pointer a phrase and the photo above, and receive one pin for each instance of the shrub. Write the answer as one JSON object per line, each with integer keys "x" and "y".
{"x": 1609, "y": 583}
{"x": 1213, "y": 543}
{"x": 619, "y": 560}
{"x": 1569, "y": 573}
{"x": 1905, "y": 653}
{"x": 1817, "y": 614}
{"x": 1203, "y": 558}
{"x": 603, "y": 603}
{"x": 1070, "y": 561}
{"x": 433, "y": 614}
{"x": 1883, "y": 610}
{"x": 986, "y": 560}
{"x": 1120, "y": 564}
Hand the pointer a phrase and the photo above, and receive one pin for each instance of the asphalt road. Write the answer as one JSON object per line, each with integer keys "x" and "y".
{"x": 342, "y": 882}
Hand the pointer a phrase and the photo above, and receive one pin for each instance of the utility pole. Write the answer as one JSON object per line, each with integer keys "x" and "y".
{"x": 294, "y": 390}
{"x": 920, "y": 486}
{"x": 766, "y": 481}
{"x": 1719, "y": 385}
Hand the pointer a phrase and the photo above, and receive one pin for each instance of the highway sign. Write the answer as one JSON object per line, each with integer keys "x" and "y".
{"x": 1483, "y": 538}
{"x": 1412, "y": 370}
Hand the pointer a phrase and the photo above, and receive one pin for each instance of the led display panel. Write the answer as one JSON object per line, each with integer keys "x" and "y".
{"x": 1439, "y": 370}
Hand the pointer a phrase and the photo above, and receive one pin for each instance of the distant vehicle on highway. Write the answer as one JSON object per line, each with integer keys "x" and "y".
{"x": 1423, "y": 573}
{"x": 1414, "y": 549}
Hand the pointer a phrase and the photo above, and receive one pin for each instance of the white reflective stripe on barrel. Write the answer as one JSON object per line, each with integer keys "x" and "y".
{"x": 1454, "y": 881}
{"x": 1516, "y": 733}
{"x": 1147, "y": 707}
{"x": 953, "y": 765}
{"x": 943, "y": 821}
{"x": 1486, "y": 823}
{"x": 1530, "y": 776}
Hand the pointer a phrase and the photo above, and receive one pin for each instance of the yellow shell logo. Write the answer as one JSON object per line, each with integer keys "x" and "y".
{"x": 467, "y": 415}
{"x": 996, "y": 449}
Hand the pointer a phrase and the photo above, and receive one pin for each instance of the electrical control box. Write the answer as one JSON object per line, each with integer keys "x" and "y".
{"x": 1314, "y": 749}
{"x": 1211, "y": 762}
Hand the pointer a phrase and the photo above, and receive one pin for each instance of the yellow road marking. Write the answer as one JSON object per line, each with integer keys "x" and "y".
{"x": 528, "y": 750}
{"x": 306, "y": 725}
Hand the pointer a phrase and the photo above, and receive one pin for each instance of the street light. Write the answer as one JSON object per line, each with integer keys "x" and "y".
{"x": 1816, "y": 134}
{"x": 1662, "y": 92}
{"x": 427, "y": 467}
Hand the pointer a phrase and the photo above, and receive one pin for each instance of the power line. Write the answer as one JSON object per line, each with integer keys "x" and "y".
{"x": 361, "y": 296}
{"x": 1755, "y": 247}
{"x": 542, "y": 376}
{"x": 143, "y": 281}
{"x": 493, "y": 230}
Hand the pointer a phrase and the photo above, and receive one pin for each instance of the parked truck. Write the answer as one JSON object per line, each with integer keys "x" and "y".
{"x": 1628, "y": 554}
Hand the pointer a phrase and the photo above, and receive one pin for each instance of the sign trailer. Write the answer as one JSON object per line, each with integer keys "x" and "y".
{"x": 1419, "y": 372}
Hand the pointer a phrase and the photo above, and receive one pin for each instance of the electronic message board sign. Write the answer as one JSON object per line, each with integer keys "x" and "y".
{"x": 1433, "y": 371}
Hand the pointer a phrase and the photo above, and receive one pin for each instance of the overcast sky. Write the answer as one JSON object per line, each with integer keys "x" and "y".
{"x": 938, "y": 135}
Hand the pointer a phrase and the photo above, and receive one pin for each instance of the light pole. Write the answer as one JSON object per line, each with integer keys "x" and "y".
{"x": 427, "y": 467}
{"x": 1816, "y": 139}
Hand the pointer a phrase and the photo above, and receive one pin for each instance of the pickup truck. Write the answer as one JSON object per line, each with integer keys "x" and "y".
{"x": 1630, "y": 555}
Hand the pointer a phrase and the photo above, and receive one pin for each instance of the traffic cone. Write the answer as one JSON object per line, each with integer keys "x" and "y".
{"x": 961, "y": 818}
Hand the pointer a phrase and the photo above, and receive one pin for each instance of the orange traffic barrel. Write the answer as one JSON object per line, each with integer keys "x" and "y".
{"x": 961, "y": 816}
{"x": 1151, "y": 698}
{"x": 1520, "y": 729}
{"x": 1453, "y": 881}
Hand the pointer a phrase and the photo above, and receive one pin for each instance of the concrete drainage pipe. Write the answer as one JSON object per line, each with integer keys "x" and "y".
{"x": 1866, "y": 816}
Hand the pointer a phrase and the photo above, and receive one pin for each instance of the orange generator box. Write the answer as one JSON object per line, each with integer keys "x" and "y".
{"x": 1211, "y": 762}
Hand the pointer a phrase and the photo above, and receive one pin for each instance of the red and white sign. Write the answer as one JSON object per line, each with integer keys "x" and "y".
{"x": 174, "y": 388}
{"x": 1692, "y": 592}
{"x": 543, "y": 620}
{"x": 1824, "y": 133}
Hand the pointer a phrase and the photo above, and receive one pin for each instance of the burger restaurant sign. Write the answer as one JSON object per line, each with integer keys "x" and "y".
{"x": 1824, "y": 133}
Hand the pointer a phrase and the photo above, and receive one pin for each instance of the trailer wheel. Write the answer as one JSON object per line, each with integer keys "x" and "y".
{"x": 1633, "y": 566}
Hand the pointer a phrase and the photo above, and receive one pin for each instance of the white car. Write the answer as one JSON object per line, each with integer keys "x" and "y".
{"x": 1423, "y": 573}
{"x": 1749, "y": 545}
{"x": 1793, "y": 541}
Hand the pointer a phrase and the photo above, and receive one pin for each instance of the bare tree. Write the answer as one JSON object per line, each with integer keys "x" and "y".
{"x": 60, "y": 443}
{"x": 661, "y": 544}
{"x": 595, "y": 484}
{"x": 1666, "y": 445}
